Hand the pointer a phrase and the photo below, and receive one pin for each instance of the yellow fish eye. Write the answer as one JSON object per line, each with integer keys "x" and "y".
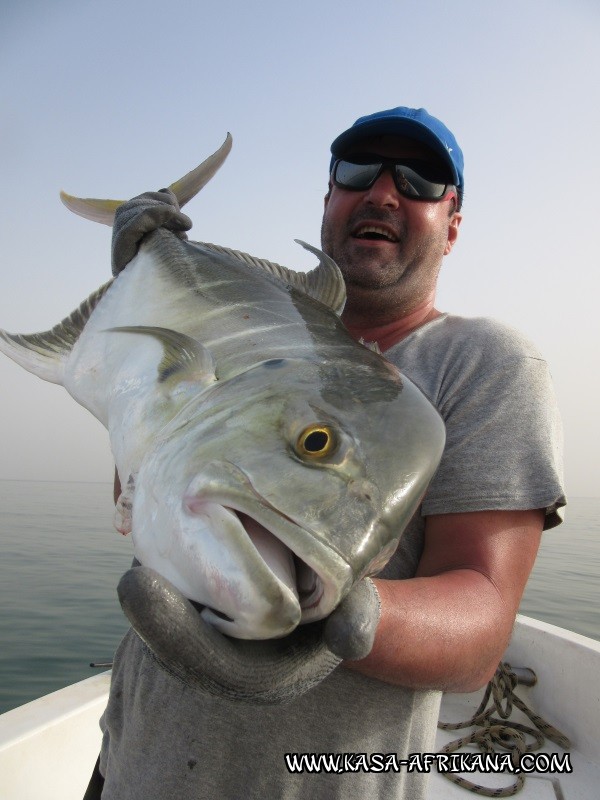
{"x": 316, "y": 441}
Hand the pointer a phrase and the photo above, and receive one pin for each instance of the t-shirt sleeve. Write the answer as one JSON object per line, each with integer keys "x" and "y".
{"x": 503, "y": 441}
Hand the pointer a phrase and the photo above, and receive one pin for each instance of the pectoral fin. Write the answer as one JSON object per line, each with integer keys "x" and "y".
{"x": 184, "y": 359}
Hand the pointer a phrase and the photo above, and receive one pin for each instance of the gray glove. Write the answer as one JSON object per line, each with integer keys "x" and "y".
{"x": 350, "y": 628}
{"x": 260, "y": 672}
{"x": 140, "y": 216}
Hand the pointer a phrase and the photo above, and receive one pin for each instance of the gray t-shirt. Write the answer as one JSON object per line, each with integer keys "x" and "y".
{"x": 163, "y": 739}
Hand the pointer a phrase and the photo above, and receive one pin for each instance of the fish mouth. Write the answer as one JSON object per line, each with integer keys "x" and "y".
{"x": 290, "y": 576}
{"x": 307, "y": 585}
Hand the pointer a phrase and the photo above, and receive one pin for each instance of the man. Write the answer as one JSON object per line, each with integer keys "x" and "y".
{"x": 450, "y": 593}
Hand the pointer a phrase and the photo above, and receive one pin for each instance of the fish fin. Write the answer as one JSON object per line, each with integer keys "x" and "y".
{"x": 184, "y": 358}
{"x": 324, "y": 283}
{"x": 374, "y": 346}
{"x": 102, "y": 211}
{"x": 45, "y": 353}
{"x": 189, "y": 186}
{"x": 124, "y": 508}
{"x": 185, "y": 188}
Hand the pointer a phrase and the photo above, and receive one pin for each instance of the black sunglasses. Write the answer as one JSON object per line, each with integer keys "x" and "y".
{"x": 415, "y": 179}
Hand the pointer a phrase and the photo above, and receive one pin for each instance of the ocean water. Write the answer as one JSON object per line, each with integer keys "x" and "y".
{"x": 61, "y": 559}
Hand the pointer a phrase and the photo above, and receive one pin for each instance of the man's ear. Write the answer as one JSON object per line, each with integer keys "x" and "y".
{"x": 453, "y": 225}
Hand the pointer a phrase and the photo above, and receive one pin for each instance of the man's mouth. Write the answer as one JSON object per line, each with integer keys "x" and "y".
{"x": 375, "y": 233}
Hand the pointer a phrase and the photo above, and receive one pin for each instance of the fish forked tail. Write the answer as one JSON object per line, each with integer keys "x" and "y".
{"x": 185, "y": 188}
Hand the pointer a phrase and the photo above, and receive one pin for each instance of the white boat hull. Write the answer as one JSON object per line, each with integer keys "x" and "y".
{"x": 48, "y": 747}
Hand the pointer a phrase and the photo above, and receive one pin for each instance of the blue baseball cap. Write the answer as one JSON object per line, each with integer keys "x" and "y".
{"x": 412, "y": 123}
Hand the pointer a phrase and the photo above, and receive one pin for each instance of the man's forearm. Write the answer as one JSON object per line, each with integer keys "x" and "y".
{"x": 444, "y": 632}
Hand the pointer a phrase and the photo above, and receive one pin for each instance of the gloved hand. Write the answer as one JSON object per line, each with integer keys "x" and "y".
{"x": 350, "y": 628}
{"x": 261, "y": 672}
{"x": 141, "y": 215}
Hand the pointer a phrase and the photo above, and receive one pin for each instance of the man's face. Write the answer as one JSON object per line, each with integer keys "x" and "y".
{"x": 383, "y": 240}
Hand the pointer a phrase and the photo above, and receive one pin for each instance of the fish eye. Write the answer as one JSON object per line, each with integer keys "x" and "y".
{"x": 316, "y": 441}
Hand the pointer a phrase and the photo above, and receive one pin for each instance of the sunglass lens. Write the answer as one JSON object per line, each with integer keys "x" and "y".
{"x": 355, "y": 176}
{"x": 413, "y": 184}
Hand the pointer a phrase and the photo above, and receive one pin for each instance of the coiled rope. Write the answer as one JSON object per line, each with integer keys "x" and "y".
{"x": 495, "y": 732}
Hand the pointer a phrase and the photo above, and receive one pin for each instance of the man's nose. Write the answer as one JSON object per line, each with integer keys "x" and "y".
{"x": 383, "y": 192}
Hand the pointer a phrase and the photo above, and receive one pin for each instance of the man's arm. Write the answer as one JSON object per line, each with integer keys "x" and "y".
{"x": 448, "y": 627}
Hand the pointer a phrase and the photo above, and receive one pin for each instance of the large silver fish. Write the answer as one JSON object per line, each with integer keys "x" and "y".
{"x": 269, "y": 462}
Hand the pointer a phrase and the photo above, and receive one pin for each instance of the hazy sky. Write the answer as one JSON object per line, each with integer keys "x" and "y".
{"x": 113, "y": 98}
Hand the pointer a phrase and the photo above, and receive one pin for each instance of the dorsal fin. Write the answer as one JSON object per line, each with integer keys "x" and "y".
{"x": 45, "y": 353}
{"x": 323, "y": 283}
{"x": 185, "y": 188}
